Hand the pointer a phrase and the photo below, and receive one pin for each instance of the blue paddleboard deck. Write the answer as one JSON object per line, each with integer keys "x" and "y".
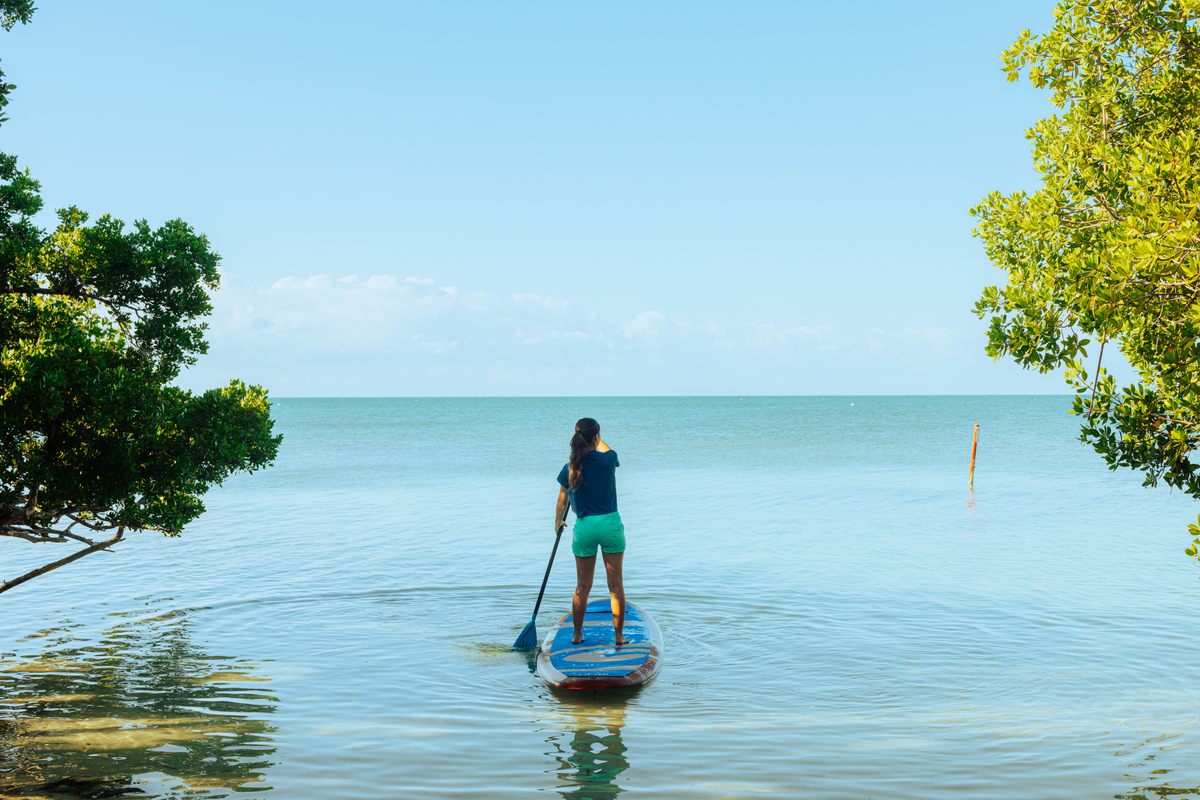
{"x": 597, "y": 663}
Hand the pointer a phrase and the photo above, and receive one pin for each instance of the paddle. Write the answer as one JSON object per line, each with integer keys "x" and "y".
{"x": 528, "y": 638}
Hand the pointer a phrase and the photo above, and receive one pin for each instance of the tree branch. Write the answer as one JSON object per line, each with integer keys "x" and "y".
{"x": 67, "y": 533}
{"x": 1096, "y": 382}
{"x": 123, "y": 312}
{"x": 34, "y": 535}
{"x": 78, "y": 554}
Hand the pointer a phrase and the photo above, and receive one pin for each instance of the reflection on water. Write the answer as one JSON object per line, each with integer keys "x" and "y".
{"x": 590, "y": 752}
{"x": 137, "y": 709}
{"x": 1151, "y": 779}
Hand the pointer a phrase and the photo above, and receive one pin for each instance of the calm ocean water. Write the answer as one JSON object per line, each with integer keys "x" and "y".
{"x": 842, "y": 619}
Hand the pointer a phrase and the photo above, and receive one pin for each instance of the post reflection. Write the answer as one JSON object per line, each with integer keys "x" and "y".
{"x": 590, "y": 751}
{"x": 138, "y": 708}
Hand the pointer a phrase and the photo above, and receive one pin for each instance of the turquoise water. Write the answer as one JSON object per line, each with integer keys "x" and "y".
{"x": 842, "y": 619}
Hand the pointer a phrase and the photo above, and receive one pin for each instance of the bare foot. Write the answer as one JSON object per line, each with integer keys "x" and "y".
{"x": 620, "y": 640}
{"x": 577, "y": 639}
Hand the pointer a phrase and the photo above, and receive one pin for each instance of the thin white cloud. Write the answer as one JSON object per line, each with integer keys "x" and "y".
{"x": 526, "y": 337}
{"x": 327, "y": 312}
{"x": 415, "y": 333}
{"x": 654, "y": 328}
{"x": 646, "y": 326}
{"x": 395, "y": 334}
{"x": 539, "y": 301}
{"x": 436, "y": 348}
{"x": 765, "y": 336}
{"x": 933, "y": 338}
{"x": 417, "y": 313}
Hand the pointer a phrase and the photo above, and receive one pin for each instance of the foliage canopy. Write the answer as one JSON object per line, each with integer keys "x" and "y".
{"x": 96, "y": 321}
{"x": 1106, "y": 253}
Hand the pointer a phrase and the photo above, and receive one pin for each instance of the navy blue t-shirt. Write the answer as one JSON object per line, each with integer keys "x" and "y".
{"x": 597, "y": 494}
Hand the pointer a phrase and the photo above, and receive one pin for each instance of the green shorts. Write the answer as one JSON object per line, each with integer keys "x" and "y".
{"x": 603, "y": 530}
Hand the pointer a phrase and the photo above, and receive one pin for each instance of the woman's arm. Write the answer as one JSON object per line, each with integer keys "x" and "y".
{"x": 560, "y": 511}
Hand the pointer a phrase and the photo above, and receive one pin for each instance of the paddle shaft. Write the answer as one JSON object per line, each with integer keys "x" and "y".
{"x": 557, "y": 536}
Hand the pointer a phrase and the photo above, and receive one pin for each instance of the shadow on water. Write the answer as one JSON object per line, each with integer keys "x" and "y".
{"x": 588, "y": 746}
{"x": 136, "y": 710}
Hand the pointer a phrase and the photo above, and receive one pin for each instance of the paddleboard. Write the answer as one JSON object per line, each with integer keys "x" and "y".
{"x": 598, "y": 663}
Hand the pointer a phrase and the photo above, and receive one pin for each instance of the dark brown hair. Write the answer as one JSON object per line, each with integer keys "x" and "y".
{"x": 586, "y": 431}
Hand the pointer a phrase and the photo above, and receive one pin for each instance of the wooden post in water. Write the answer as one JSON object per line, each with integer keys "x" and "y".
{"x": 974, "y": 446}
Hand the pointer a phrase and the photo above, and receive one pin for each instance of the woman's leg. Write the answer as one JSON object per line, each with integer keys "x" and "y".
{"x": 616, "y": 593}
{"x": 585, "y": 569}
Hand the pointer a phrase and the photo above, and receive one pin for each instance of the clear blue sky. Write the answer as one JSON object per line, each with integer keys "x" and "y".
{"x": 552, "y": 198}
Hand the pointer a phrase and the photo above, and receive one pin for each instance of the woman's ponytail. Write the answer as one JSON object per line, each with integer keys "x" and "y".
{"x": 586, "y": 431}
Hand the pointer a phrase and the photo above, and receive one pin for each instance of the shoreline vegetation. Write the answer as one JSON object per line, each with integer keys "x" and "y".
{"x": 1105, "y": 253}
{"x": 96, "y": 323}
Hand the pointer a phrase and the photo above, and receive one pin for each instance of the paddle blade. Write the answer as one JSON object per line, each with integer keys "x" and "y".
{"x": 528, "y": 638}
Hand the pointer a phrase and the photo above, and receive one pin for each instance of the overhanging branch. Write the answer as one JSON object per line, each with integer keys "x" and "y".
{"x": 78, "y": 554}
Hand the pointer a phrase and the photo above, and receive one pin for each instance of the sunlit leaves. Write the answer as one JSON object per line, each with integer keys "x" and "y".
{"x": 1107, "y": 250}
{"x": 14, "y": 11}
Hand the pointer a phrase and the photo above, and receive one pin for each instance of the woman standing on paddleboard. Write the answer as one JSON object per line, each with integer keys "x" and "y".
{"x": 589, "y": 484}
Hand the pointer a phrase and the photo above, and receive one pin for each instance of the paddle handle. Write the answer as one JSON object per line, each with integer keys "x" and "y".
{"x": 546, "y": 577}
